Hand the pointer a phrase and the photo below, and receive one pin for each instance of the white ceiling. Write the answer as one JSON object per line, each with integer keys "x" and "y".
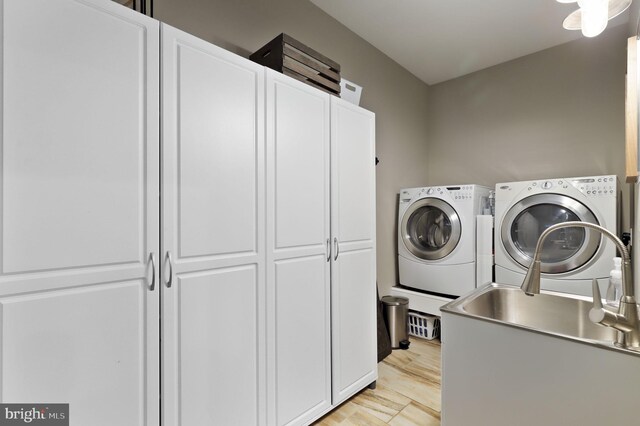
{"x": 438, "y": 40}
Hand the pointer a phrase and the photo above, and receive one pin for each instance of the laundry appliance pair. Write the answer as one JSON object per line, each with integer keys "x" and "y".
{"x": 438, "y": 236}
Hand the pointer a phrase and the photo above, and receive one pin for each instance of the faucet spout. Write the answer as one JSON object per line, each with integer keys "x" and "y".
{"x": 626, "y": 320}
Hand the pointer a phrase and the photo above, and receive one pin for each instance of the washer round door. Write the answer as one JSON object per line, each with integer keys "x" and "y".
{"x": 431, "y": 229}
{"x": 565, "y": 249}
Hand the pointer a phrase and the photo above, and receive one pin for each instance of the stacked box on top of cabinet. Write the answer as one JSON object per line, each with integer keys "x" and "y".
{"x": 297, "y": 60}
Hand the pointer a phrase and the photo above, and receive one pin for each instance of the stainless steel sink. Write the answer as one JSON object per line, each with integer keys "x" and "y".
{"x": 512, "y": 359}
{"x": 545, "y": 313}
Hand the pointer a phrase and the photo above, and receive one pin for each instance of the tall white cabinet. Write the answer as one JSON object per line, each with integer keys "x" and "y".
{"x": 79, "y": 220}
{"x": 298, "y": 251}
{"x": 321, "y": 292}
{"x": 213, "y": 216}
{"x": 353, "y": 230}
{"x": 213, "y": 266}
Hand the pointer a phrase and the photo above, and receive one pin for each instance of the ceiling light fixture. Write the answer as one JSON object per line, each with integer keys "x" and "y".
{"x": 593, "y": 15}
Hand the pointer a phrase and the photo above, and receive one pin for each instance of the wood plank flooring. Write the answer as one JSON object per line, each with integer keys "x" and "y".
{"x": 408, "y": 391}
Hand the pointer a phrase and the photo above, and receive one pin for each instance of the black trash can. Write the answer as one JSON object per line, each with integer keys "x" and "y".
{"x": 396, "y": 311}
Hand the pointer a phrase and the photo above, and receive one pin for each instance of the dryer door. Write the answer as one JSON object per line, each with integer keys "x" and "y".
{"x": 565, "y": 249}
{"x": 431, "y": 229}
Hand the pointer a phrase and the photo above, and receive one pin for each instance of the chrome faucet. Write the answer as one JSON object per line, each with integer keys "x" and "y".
{"x": 626, "y": 320}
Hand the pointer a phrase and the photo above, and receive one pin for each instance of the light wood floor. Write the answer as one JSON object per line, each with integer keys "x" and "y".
{"x": 408, "y": 391}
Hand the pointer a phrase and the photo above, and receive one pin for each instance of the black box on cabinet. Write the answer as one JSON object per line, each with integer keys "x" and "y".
{"x": 294, "y": 59}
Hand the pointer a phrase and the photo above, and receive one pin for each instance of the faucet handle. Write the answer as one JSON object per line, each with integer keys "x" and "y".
{"x": 597, "y": 313}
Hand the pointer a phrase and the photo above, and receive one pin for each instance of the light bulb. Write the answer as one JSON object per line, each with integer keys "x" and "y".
{"x": 595, "y": 14}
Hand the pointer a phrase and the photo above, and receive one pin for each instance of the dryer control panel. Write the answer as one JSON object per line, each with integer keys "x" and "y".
{"x": 464, "y": 192}
{"x": 597, "y": 186}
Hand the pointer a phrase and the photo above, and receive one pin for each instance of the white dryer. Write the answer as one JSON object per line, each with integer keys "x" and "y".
{"x": 437, "y": 237}
{"x": 571, "y": 257}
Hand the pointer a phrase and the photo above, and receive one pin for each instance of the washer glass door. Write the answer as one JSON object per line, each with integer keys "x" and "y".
{"x": 565, "y": 249}
{"x": 431, "y": 229}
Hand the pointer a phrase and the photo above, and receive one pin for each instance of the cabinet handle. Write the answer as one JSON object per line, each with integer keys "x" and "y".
{"x": 169, "y": 280}
{"x": 152, "y": 259}
{"x": 328, "y": 249}
{"x": 337, "y": 244}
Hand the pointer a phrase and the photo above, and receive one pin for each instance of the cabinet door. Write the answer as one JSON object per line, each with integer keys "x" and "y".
{"x": 79, "y": 216}
{"x": 353, "y": 284}
{"x": 298, "y": 270}
{"x": 213, "y": 235}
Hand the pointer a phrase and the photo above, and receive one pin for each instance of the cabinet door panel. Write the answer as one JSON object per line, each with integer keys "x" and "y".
{"x": 79, "y": 209}
{"x": 218, "y": 328}
{"x": 217, "y": 151}
{"x": 353, "y": 173}
{"x": 302, "y": 338}
{"x": 301, "y": 166}
{"x": 354, "y": 318}
{"x": 298, "y": 270}
{"x": 87, "y": 363}
{"x": 74, "y": 136}
{"x": 213, "y": 226}
{"x": 353, "y": 273}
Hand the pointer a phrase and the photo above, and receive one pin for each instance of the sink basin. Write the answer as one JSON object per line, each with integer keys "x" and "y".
{"x": 512, "y": 359}
{"x": 563, "y": 316}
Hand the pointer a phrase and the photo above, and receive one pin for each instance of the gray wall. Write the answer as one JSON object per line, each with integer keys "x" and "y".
{"x": 555, "y": 113}
{"x": 397, "y": 97}
{"x": 634, "y": 14}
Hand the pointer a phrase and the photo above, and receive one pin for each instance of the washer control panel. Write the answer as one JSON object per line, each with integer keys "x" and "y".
{"x": 457, "y": 193}
{"x": 405, "y": 196}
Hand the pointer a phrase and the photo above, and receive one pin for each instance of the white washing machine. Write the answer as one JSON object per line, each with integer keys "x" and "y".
{"x": 437, "y": 237}
{"x": 571, "y": 257}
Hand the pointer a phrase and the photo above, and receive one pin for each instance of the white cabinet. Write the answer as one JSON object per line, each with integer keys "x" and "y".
{"x": 261, "y": 321}
{"x": 321, "y": 292}
{"x": 353, "y": 270}
{"x": 79, "y": 217}
{"x": 213, "y": 217}
{"x": 298, "y": 269}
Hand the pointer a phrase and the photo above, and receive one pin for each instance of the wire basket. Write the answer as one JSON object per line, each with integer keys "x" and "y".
{"x": 424, "y": 326}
